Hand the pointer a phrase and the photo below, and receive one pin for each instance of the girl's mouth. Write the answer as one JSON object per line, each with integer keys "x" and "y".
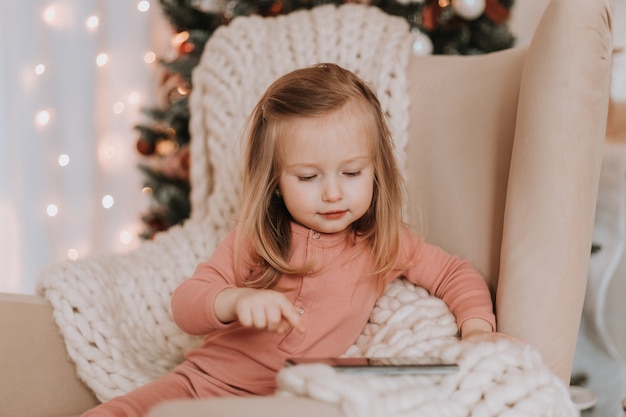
{"x": 333, "y": 215}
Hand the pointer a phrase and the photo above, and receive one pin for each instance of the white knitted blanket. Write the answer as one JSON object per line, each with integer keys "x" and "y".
{"x": 114, "y": 311}
{"x": 501, "y": 378}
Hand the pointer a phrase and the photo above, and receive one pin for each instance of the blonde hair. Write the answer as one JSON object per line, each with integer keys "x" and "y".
{"x": 264, "y": 225}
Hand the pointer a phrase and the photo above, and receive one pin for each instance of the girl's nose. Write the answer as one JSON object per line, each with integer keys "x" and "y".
{"x": 332, "y": 191}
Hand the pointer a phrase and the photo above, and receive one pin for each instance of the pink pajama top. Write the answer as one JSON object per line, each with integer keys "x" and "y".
{"x": 335, "y": 301}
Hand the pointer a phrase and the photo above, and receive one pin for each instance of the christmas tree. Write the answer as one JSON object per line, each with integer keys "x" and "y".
{"x": 458, "y": 27}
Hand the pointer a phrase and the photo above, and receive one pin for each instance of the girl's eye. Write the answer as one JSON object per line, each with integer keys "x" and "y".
{"x": 306, "y": 178}
{"x": 352, "y": 173}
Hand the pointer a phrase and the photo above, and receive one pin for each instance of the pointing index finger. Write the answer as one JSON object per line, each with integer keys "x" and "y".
{"x": 294, "y": 316}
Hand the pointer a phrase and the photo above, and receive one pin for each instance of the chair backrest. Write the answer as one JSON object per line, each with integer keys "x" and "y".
{"x": 502, "y": 152}
{"x": 462, "y": 125}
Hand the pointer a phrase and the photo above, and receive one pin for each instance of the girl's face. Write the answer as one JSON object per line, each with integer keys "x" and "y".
{"x": 327, "y": 177}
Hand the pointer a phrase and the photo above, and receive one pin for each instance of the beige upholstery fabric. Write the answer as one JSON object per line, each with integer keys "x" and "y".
{"x": 554, "y": 178}
{"x": 506, "y": 171}
{"x": 460, "y": 152}
{"x": 38, "y": 379}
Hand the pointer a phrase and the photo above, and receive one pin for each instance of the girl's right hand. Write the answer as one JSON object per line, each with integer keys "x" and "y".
{"x": 261, "y": 309}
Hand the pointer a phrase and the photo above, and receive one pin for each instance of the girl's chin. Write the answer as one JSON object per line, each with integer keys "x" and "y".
{"x": 330, "y": 229}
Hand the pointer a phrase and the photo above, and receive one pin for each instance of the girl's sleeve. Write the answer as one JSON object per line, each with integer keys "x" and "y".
{"x": 193, "y": 300}
{"x": 448, "y": 277}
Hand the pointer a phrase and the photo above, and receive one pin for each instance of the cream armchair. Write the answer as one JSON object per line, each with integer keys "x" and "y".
{"x": 502, "y": 155}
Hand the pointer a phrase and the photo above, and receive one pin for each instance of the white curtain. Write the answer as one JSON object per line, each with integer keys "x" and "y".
{"x": 74, "y": 75}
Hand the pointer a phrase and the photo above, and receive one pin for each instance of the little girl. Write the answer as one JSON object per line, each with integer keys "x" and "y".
{"x": 319, "y": 236}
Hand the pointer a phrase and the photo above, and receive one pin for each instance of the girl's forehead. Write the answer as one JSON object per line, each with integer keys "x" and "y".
{"x": 325, "y": 155}
{"x": 330, "y": 133}
{"x": 350, "y": 120}
{"x": 344, "y": 134}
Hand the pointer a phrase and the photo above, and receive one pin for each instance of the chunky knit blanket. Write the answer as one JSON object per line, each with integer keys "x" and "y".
{"x": 503, "y": 378}
{"x": 114, "y": 311}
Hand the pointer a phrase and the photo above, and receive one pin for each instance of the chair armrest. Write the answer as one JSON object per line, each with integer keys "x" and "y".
{"x": 553, "y": 179}
{"x": 38, "y": 379}
{"x": 250, "y": 406}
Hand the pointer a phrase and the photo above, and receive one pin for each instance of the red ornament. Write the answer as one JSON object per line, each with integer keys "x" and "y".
{"x": 186, "y": 47}
{"x": 430, "y": 15}
{"x": 185, "y": 160}
{"x": 496, "y": 12}
{"x": 276, "y": 8}
{"x": 155, "y": 222}
{"x": 145, "y": 147}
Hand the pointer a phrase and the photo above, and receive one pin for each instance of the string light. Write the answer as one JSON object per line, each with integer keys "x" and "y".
{"x": 149, "y": 57}
{"x": 43, "y": 118}
{"x": 52, "y": 210}
{"x": 133, "y": 98}
{"x": 64, "y": 159}
{"x": 143, "y": 6}
{"x": 118, "y": 107}
{"x": 49, "y": 14}
{"x": 126, "y": 237}
{"x": 102, "y": 59}
{"x": 92, "y": 22}
{"x": 111, "y": 148}
{"x": 107, "y": 151}
{"x": 107, "y": 201}
{"x": 58, "y": 14}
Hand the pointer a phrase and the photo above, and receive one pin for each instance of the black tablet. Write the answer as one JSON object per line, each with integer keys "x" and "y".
{"x": 382, "y": 365}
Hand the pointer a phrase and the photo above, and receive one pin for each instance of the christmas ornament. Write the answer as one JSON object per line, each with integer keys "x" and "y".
{"x": 186, "y": 47}
{"x": 145, "y": 147}
{"x": 178, "y": 92}
{"x": 422, "y": 45}
{"x": 166, "y": 147}
{"x": 276, "y": 8}
{"x": 468, "y": 9}
{"x": 496, "y": 12}
{"x": 430, "y": 15}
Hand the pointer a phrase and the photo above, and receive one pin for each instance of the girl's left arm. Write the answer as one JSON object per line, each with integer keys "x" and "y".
{"x": 452, "y": 279}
